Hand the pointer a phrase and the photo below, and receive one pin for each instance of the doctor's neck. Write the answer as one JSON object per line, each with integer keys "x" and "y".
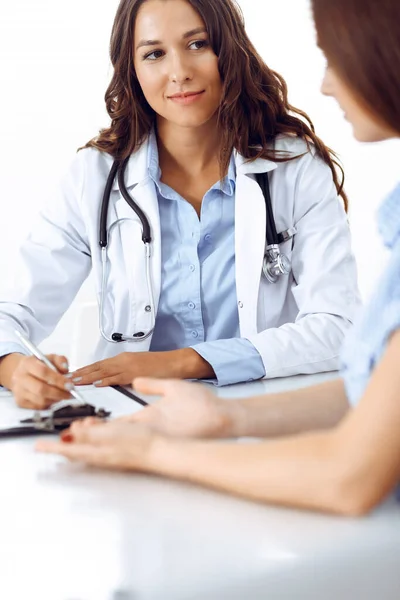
{"x": 191, "y": 150}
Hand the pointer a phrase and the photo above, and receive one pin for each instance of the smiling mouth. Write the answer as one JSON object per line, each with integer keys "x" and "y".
{"x": 185, "y": 95}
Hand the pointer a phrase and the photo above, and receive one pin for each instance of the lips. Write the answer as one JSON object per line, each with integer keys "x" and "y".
{"x": 185, "y": 95}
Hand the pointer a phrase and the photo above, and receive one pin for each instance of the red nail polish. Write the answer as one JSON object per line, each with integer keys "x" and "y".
{"x": 67, "y": 438}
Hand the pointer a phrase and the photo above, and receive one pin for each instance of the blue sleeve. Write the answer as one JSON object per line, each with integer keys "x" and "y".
{"x": 234, "y": 361}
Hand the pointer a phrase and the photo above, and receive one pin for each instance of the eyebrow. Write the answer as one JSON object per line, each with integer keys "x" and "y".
{"x": 186, "y": 35}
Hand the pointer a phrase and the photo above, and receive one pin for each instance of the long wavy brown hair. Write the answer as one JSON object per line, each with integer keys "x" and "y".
{"x": 254, "y": 107}
{"x": 361, "y": 40}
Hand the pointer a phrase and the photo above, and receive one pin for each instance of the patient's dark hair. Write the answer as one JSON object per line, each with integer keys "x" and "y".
{"x": 361, "y": 40}
{"x": 254, "y": 107}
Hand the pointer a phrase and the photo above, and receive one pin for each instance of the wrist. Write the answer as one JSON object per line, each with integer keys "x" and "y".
{"x": 188, "y": 364}
{"x": 8, "y": 364}
{"x": 237, "y": 419}
{"x": 164, "y": 456}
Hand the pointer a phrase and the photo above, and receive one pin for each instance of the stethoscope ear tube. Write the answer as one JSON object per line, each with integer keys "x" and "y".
{"x": 118, "y": 170}
{"x": 271, "y": 233}
{"x": 103, "y": 239}
{"x": 146, "y": 235}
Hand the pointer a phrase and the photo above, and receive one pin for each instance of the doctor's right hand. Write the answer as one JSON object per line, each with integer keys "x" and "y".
{"x": 32, "y": 383}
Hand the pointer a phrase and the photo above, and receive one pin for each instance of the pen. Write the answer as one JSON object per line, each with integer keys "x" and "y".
{"x": 39, "y": 355}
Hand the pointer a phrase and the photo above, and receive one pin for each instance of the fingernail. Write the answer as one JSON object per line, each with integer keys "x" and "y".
{"x": 65, "y": 366}
{"x": 69, "y": 386}
{"x": 67, "y": 438}
{"x": 69, "y": 375}
{"x": 98, "y": 382}
{"x": 77, "y": 379}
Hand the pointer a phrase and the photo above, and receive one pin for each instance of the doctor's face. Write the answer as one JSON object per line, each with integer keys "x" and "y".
{"x": 175, "y": 64}
{"x": 366, "y": 126}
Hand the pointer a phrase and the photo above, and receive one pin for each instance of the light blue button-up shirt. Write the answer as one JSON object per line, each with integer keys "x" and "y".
{"x": 198, "y": 304}
{"x": 368, "y": 339}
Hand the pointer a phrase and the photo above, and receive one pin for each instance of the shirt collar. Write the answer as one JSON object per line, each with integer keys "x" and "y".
{"x": 388, "y": 217}
{"x": 153, "y": 166}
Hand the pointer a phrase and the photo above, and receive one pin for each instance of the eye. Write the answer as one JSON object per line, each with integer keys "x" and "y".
{"x": 199, "y": 44}
{"x": 153, "y": 55}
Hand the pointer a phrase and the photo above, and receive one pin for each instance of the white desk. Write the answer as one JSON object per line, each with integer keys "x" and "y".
{"x": 72, "y": 533}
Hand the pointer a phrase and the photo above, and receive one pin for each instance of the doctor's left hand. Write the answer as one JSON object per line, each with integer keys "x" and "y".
{"x": 185, "y": 363}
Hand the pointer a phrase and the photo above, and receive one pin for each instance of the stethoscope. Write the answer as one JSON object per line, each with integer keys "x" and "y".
{"x": 275, "y": 263}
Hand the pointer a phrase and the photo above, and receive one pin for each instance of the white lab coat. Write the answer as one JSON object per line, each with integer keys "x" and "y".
{"x": 297, "y": 325}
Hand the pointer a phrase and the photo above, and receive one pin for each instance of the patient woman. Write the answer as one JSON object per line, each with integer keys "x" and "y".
{"x": 330, "y": 458}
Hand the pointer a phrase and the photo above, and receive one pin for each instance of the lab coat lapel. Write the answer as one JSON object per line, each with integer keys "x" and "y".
{"x": 250, "y": 231}
{"x": 142, "y": 190}
{"x": 145, "y": 196}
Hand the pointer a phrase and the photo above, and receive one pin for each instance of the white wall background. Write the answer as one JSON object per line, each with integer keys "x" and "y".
{"x": 54, "y": 69}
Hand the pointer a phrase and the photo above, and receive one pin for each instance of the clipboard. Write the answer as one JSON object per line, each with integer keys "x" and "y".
{"x": 54, "y": 421}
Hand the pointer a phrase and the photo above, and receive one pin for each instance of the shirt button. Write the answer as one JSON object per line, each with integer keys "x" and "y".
{"x": 240, "y": 304}
{"x": 192, "y": 268}
{"x": 191, "y": 305}
{"x": 207, "y": 237}
{"x": 195, "y": 334}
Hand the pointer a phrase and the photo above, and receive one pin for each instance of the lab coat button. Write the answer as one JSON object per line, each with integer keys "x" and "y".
{"x": 195, "y": 334}
{"x": 191, "y": 305}
{"x": 192, "y": 268}
{"x": 148, "y": 308}
{"x": 240, "y": 304}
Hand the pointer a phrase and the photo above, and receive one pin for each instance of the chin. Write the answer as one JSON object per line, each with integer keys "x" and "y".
{"x": 190, "y": 121}
{"x": 369, "y": 138}
{"x": 372, "y": 133}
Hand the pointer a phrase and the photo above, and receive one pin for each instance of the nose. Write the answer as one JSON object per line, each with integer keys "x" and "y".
{"x": 180, "y": 70}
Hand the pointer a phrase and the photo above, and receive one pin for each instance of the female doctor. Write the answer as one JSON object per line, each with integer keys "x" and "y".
{"x": 165, "y": 207}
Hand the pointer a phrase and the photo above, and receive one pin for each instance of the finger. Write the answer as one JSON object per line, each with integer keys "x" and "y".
{"x": 41, "y": 394}
{"x": 88, "y": 422}
{"x": 148, "y": 415}
{"x": 26, "y": 399}
{"x": 67, "y": 435}
{"x": 94, "y": 433}
{"x": 92, "y": 455}
{"x": 87, "y": 379}
{"x": 108, "y": 380}
{"x": 23, "y": 401}
{"x": 41, "y": 372}
{"x": 60, "y": 362}
{"x": 84, "y": 371}
{"x": 153, "y": 386}
{"x": 111, "y": 433}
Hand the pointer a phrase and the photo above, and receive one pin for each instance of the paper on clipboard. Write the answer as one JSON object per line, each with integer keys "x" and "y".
{"x": 119, "y": 404}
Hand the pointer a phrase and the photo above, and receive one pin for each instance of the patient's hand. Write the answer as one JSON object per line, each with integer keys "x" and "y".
{"x": 185, "y": 410}
{"x": 113, "y": 445}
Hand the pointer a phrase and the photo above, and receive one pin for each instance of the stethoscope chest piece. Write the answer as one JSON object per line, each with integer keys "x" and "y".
{"x": 275, "y": 263}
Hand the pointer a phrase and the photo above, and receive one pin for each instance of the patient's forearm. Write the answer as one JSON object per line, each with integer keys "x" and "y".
{"x": 301, "y": 471}
{"x": 318, "y": 407}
